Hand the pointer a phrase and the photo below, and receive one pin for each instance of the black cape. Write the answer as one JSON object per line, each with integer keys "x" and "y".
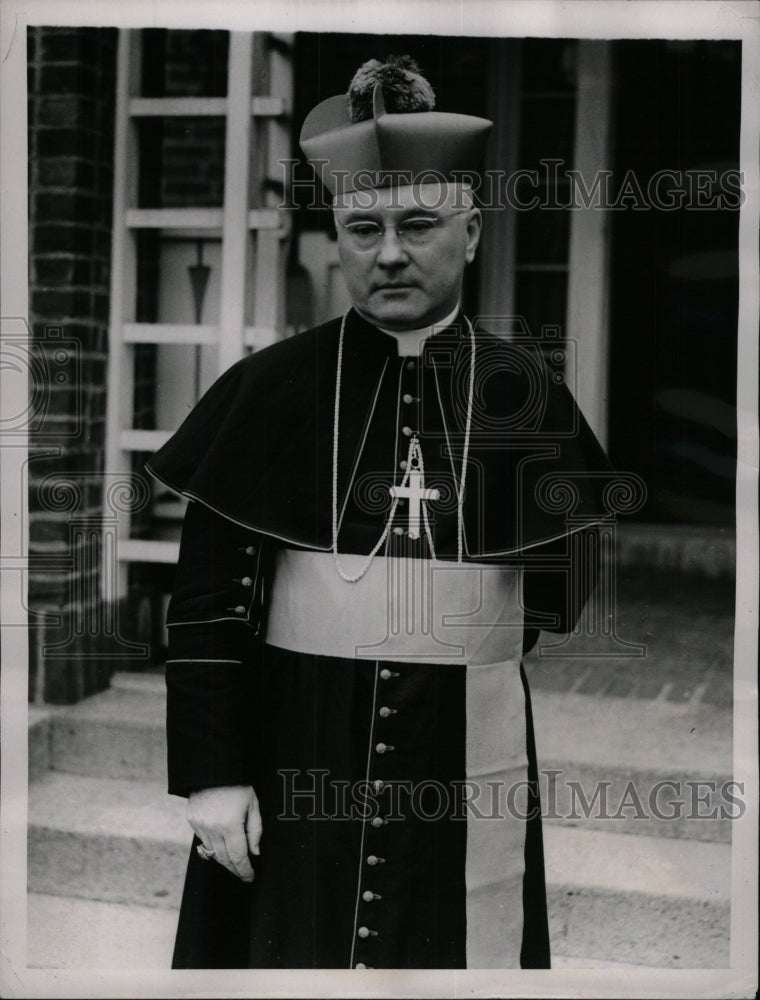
{"x": 258, "y": 446}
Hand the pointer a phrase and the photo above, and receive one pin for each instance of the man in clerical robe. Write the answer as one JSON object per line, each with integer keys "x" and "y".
{"x": 373, "y": 540}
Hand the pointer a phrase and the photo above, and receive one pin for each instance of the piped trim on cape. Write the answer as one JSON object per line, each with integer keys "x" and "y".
{"x": 257, "y": 448}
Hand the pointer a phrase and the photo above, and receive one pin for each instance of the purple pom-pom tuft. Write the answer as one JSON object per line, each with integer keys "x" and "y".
{"x": 405, "y": 89}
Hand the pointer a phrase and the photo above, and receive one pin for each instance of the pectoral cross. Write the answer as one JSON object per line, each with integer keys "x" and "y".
{"x": 415, "y": 491}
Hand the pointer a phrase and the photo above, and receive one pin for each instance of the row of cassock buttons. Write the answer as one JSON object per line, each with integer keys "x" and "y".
{"x": 384, "y": 712}
{"x": 377, "y": 822}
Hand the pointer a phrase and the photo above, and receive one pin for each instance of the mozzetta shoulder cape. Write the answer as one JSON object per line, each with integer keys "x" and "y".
{"x": 257, "y": 448}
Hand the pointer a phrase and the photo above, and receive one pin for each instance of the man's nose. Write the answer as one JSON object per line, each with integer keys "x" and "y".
{"x": 392, "y": 251}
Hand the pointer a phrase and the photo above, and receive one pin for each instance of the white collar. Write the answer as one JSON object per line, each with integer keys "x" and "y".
{"x": 410, "y": 341}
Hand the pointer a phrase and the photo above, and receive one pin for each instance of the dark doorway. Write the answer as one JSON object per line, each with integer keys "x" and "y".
{"x": 675, "y": 275}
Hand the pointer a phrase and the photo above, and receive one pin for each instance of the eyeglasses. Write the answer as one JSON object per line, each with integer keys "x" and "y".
{"x": 417, "y": 231}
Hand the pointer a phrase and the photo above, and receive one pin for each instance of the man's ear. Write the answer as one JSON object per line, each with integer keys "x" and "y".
{"x": 474, "y": 227}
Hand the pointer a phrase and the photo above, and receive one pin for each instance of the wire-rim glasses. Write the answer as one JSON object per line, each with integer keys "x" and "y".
{"x": 365, "y": 235}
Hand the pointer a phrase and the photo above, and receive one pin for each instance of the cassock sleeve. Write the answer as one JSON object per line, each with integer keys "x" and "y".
{"x": 558, "y": 580}
{"x": 215, "y": 624}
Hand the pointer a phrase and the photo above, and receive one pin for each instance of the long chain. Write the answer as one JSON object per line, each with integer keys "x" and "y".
{"x": 349, "y": 578}
{"x": 466, "y": 451}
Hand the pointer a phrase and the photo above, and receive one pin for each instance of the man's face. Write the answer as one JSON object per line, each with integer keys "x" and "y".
{"x": 411, "y": 277}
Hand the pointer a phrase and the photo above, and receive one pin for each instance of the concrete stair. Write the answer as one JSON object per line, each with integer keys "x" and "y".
{"x": 110, "y": 839}
{"x": 108, "y": 847}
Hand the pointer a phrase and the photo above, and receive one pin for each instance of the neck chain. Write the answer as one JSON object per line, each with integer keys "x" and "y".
{"x": 414, "y": 464}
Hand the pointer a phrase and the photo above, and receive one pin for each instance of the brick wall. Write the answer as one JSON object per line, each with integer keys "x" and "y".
{"x": 71, "y": 105}
{"x": 183, "y": 158}
{"x": 74, "y": 647}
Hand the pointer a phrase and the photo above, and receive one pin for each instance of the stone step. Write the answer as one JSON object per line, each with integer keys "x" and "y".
{"x": 116, "y": 936}
{"x": 110, "y": 839}
{"x": 70, "y": 933}
{"x": 119, "y": 733}
{"x": 664, "y": 768}
{"x": 684, "y": 625}
{"x": 630, "y": 898}
{"x": 128, "y": 938}
{"x": 619, "y": 748}
{"x": 637, "y": 899}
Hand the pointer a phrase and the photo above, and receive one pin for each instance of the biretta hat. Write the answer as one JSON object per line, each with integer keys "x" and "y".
{"x": 384, "y": 131}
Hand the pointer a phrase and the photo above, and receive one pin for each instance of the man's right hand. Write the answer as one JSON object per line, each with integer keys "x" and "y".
{"x": 228, "y": 822}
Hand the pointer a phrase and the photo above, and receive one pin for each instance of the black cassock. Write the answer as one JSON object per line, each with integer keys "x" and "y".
{"x": 370, "y": 769}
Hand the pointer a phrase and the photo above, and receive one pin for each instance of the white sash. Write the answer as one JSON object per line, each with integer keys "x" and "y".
{"x": 415, "y": 610}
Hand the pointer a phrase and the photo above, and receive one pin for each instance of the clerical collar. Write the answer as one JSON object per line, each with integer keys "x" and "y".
{"x": 410, "y": 341}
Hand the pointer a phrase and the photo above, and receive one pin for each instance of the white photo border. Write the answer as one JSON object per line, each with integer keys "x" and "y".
{"x": 677, "y": 19}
